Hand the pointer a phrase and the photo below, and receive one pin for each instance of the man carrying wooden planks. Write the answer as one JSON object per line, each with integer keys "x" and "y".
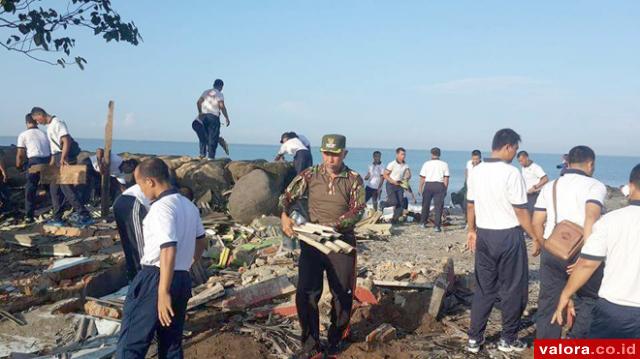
{"x": 335, "y": 197}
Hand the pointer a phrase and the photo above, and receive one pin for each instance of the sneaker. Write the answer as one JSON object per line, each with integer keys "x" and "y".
{"x": 514, "y": 346}
{"x": 84, "y": 221}
{"x": 438, "y": 229}
{"x": 473, "y": 346}
{"x": 55, "y": 223}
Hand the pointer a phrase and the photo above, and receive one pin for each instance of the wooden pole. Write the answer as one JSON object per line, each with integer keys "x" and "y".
{"x": 106, "y": 176}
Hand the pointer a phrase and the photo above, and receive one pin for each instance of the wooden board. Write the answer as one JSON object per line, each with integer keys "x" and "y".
{"x": 106, "y": 177}
{"x": 71, "y": 174}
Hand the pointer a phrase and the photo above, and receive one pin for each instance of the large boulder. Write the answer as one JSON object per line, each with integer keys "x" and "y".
{"x": 281, "y": 172}
{"x": 254, "y": 195}
{"x": 615, "y": 199}
{"x": 204, "y": 175}
{"x": 240, "y": 168}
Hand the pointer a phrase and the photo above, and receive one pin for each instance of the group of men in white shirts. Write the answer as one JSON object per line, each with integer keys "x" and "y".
{"x": 504, "y": 204}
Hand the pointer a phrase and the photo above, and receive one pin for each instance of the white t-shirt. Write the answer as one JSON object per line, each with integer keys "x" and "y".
{"x": 575, "y": 189}
{"x": 616, "y": 240}
{"x": 114, "y": 167}
{"x": 172, "y": 221}
{"x": 210, "y": 104}
{"x": 35, "y": 143}
{"x": 375, "y": 176}
{"x": 495, "y": 187}
{"x": 56, "y": 129}
{"x": 532, "y": 175}
{"x": 291, "y": 147}
{"x": 397, "y": 170}
{"x": 135, "y": 191}
{"x": 434, "y": 171}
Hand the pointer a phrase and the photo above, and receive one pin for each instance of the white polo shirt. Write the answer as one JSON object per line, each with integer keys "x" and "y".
{"x": 375, "y": 176}
{"x": 434, "y": 171}
{"x": 172, "y": 221}
{"x": 616, "y": 240}
{"x": 136, "y": 191}
{"x": 575, "y": 189}
{"x": 532, "y": 175}
{"x": 495, "y": 187}
{"x": 397, "y": 170}
{"x": 56, "y": 129}
{"x": 114, "y": 167}
{"x": 210, "y": 101}
{"x": 35, "y": 143}
{"x": 291, "y": 147}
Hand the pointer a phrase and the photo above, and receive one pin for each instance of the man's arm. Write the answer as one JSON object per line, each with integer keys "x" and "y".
{"x": 407, "y": 174}
{"x": 357, "y": 204}
{"x": 421, "y": 185}
{"x": 446, "y": 182}
{"x": 539, "y": 218}
{"x": 593, "y": 212}
{"x": 21, "y": 155}
{"x": 167, "y": 265}
{"x": 223, "y": 109}
{"x": 199, "y": 105}
{"x": 471, "y": 225}
{"x": 296, "y": 190}
{"x": 543, "y": 180}
{"x": 201, "y": 245}
{"x": 581, "y": 274}
{"x": 387, "y": 176}
{"x": 66, "y": 144}
{"x": 524, "y": 218}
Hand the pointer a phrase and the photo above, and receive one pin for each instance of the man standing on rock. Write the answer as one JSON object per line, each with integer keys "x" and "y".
{"x": 497, "y": 214}
{"x": 335, "y": 198}
{"x": 293, "y": 146}
{"x": 534, "y": 178}
{"x": 210, "y": 105}
{"x": 64, "y": 151}
{"x": 396, "y": 172}
{"x": 33, "y": 147}
{"x": 434, "y": 181}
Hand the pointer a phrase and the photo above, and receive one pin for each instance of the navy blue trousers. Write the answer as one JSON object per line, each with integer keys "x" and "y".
{"x": 140, "y": 322}
{"x": 69, "y": 193}
{"x": 502, "y": 273}
{"x": 614, "y": 321}
{"x": 302, "y": 160}
{"x": 31, "y": 187}
{"x": 212, "y": 131}
{"x": 198, "y": 127}
{"x": 395, "y": 197}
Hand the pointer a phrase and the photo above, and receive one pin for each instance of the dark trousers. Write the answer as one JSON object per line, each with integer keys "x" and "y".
{"x": 553, "y": 278}
{"x": 302, "y": 160}
{"x": 340, "y": 270}
{"x": 531, "y": 201}
{"x": 70, "y": 193}
{"x": 140, "y": 322}
{"x": 501, "y": 272}
{"x": 198, "y": 127}
{"x": 612, "y": 320}
{"x": 129, "y": 213}
{"x": 436, "y": 191}
{"x": 31, "y": 187}
{"x": 373, "y": 194}
{"x": 92, "y": 190}
{"x": 212, "y": 131}
{"x": 395, "y": 198}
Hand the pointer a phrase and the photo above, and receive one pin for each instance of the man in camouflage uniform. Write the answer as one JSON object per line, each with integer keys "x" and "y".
{"x": 335, "y": 197}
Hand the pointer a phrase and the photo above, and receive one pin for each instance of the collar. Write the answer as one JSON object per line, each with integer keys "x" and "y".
{"x": 529, "y": 165}
{"x": 168, "y": 192}
{"x": 575, "y": 172}
{"x": 634, "y": 202}
{"x": 491, "y": 159}
{"x": 344, "y": 172}
{"x": 400, "y": 163}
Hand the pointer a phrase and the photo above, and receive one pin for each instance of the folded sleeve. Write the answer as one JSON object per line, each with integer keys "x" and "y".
{"x": 539, "y": 171}
{"x": 446, "y": 170}
{"x": 597, "y": 194}
{"x": 516, "y": 191}
{"x": 21, "y": 142}
{"x": 543, "y": 199}
{"x": 595, "y": 247}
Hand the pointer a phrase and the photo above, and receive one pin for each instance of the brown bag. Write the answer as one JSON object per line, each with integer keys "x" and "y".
{"x": 567, "y": 238}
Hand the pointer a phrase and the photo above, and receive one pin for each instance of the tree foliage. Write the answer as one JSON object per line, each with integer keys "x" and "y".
{"x": 43, "y": 33}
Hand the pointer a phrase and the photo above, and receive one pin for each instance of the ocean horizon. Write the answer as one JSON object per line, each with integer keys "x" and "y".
{"x": 611, "y": 170}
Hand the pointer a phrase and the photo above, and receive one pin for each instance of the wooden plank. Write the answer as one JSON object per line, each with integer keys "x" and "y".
{"x": 70, "y": 174}
{"x": 259, "y": 293}
{"x": 444, "y": 283}
{"x": 106, "y": 176}
{"x": 402, "y": 285}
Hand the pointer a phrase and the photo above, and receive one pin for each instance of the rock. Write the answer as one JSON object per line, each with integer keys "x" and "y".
{"x": 615, "y": 199}
{"x": 281, "y": 172}
{"x": 240, "y": 168}
{"x": 254, "y": 195}
{"x": 205, "y": 175}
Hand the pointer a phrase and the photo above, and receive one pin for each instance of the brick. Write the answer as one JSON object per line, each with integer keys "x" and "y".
{"x": 384, "y": 333}
{"x": 259, "y": 293}
{"x": 77, "y": 247}
{"x": 67, "y": 231}
{"x": 364, "y": 295}
{"x": 286, "y": 310}
{"x": 71, "y": 268}
{"x": 101, "y": 310}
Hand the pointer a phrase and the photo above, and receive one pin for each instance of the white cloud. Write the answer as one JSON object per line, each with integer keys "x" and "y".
{"x": 476, "y": 85}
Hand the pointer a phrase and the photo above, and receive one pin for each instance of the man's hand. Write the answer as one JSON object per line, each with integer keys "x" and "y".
{"x": 165, "y": 312}
{"x": 63, "y": 162}
{"x": 3, "y": 177}
{"x": 571, "y": 267}
{"x": 471, "y": 240}
{"x": 287, "y": 225}
{"x": 564, "y": 303}
{"x": 536, "y": 248}
{"x": 228, "y": 122}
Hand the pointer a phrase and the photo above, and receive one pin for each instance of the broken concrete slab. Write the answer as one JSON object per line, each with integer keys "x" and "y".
{"x": 25, "y": 239}
{"x": 68, "y": 231}
{"x": 443, "y": 285}
{"x": 77, "y": 246}
{"x": 286, "y": 310}
{"x": 207, "y": 295}
{"x": 259, "y": 293}
{"x": 73, "y": 267}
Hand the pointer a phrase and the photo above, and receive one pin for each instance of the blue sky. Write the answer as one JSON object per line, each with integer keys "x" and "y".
{"x": 410, "y": 73}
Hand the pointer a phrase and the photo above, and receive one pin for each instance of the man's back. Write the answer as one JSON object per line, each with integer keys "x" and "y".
{"x": 35, "y": 143}
{"x": 574, "y": 190}
{"x": 211, "y": 98}
{"x": 434, "y": 170}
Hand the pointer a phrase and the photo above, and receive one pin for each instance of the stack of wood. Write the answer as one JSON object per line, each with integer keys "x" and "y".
{"x": 369, "y": 227}
{"x": 323, "y": 238}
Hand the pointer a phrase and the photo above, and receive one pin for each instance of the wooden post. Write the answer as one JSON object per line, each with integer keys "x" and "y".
{"x": 106, "y": 176}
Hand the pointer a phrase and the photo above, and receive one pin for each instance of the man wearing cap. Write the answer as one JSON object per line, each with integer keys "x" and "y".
{"x": 335, "y": 198}
{"x": 293, "y": 146}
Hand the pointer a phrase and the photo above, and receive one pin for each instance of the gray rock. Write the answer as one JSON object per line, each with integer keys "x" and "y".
{"x": 254, "y": 195}
{"x": 615, "y": 199}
